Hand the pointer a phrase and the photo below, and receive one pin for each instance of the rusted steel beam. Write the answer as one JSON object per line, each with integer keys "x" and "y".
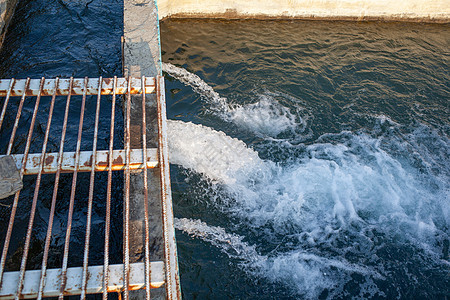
{"x": 108, "y": 194}
{"x": 19, "y": 112}
{"x": 56, "y": 184}
{"x": 101, "y": 164}
{"x": 16, "y": 87}
{"x": 24, "y": 158}
{"x": 109, "y": 160}
{"x": 91, "y": 196}
{"x": 173, "y": 289}
{"x": 5, "y": 103}
{"x": 126, "y": 199}
{"x": 26, "y": 247}
{"x": 74, "y": 277}
{"x": 146, "y": 222}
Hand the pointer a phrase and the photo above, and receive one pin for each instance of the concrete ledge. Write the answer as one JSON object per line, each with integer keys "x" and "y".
{"x": 7, "y": 8}
{"x": 433, "y": 11}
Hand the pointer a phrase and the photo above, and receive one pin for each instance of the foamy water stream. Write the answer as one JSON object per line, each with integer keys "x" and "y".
{"x": 344, "y": 195}
{"x": 308, "y": 194}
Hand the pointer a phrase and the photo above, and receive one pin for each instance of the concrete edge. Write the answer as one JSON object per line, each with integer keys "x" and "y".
{"x": 232, "y": 15}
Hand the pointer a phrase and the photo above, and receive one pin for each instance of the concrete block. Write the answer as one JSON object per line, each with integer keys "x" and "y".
{"x": 10, "y": 181}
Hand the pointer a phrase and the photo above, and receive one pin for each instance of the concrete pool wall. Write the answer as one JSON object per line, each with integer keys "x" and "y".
{"x": 407, "y": 10}
{"x": 436, "y": 11}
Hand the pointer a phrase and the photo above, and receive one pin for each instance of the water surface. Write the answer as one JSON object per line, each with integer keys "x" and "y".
{"x": 317, "y": 161}
{"x": 60, "y": 38}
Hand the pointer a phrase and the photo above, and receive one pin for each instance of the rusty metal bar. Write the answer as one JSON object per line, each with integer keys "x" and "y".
{"x": 55, "y": 188}
{"x": 16, "y": 123}
{"x": 75, "y": 173}
{"x": 44, "y": 280}
{"x": 16, "y": 196}
{"x": 5, "y": 104}
{"x": 35, "y": 197}
{"x": 126, "y": 204}
{"x": 49, "y": 230}
{"x": 173, "y": 290}
{"x": 91, "y": 195}
{"x": 18, "y": 87}
{"x": 108, "y": 194}
{"x": 146, "y": 225}
{"x": 85, "y": 164}
{"x": 73, "y": 287}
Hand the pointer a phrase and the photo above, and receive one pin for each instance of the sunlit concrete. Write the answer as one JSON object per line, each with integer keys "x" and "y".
{"x": 406, "y": 10}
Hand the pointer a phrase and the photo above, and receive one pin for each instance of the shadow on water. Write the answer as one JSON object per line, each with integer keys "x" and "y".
{"x": 62, "y": 39}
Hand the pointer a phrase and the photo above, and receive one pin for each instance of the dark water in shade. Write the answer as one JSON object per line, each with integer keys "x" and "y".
{"x": 63, "y": 38}
{"x": 350, "y": 195}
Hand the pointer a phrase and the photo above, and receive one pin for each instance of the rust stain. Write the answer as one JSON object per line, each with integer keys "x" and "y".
{"x": 35, "y": 161}
{"x": 134, "y": 90}
{"x": 118, "y": 161}
{"x": 134, "y": 287}
{"x": 77, "y": 84}
{"x": 78, "y": 87}
{"x": 88, "y": 163}
{"x": 49, "y": 159}
{"x": 102, "y": 163}
{"x": 112, "y": 289}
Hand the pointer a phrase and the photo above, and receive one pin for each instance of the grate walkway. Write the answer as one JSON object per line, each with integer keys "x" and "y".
{"x": 84, "y": 279}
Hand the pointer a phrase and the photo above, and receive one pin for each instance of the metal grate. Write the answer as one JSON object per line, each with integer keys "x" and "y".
{"x": 86, "y": 279}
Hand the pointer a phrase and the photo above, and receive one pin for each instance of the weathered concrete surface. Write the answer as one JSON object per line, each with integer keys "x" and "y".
{"x": 141, "y": 57}
{"x": 7, "y": 8}
{"x": 10, "y": 181}
{"x": 405, "y": 10}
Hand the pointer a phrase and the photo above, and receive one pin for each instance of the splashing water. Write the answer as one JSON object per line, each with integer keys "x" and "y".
{"x": 342, "y": 187}
{"x": 333, "y": 213}
{"x": 266, "y": 117}
{"x": 280, "y": 268}
{"x": 199, "y": 86}
{"x": 231, "y": 244}
{"x": 210, "y": 152}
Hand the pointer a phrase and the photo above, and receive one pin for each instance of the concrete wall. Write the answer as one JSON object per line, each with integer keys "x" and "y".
{"x": 3, "y": 4}
{"x": 405, "y": 10}
{"x": 6, "y": 11}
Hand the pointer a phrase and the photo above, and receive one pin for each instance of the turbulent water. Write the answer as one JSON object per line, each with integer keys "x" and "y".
{"x": 312, "y": 166}
{"x": 310, "y": 159}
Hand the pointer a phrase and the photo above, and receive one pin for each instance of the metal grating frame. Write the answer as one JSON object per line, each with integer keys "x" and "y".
{"x": 87, "y": 279}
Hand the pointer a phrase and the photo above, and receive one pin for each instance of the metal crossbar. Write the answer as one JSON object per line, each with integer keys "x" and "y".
{"x": 85, "y": 279}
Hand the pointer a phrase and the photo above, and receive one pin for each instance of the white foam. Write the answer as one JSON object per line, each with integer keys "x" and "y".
{"x": 344, "y": 187}
{"x": 265, "y": 117}
{"x": 307, "y": 272}
{"x": 231, "y": 244}
{"x": 198, "y": 85}
{"x": 210, "y": 152}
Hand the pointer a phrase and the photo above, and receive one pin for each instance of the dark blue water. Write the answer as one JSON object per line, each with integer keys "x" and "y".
{"x": 63, "y": 39}
{"x": 332, "y": 180}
